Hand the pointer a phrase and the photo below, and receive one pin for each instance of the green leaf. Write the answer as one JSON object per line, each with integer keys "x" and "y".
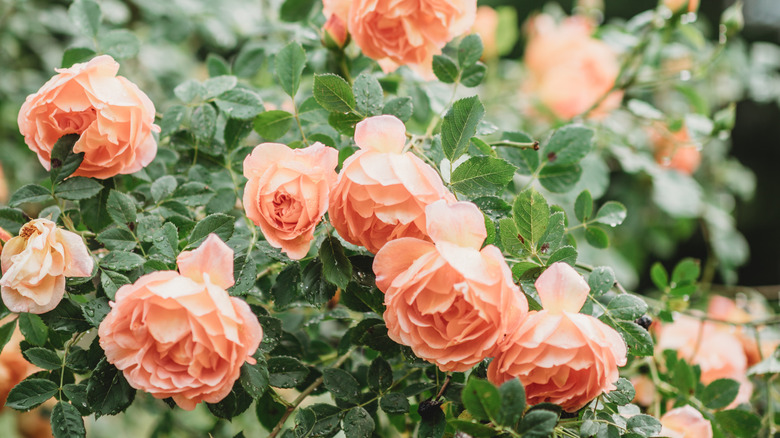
{"x": 112, "y": 281}
{"x": 246, "y": 274}
{"x": 433, "y": 424}
{"x": 400, "y": 107}
{"x": 538, "y": 424}
{"x": 566, "y": 254}
{"x": 509, "y": 237}
{"x": 193, "y": 193}
{"x": 369, "y": 96}
{"x": 285, "y": 289}
{"x": 739, "y": 423}
{"x": 394, "y": 403}
{"x": 601, "y": 280}
{"x": 481, "y": 176}
{"x": 623, "y": 393}
{"x": 30, "y": 393}
{"x": 553, "y": 235}
{"x": 66, "y": 421}
{"x": 216, "y": 65}
{"x": 531, "y": 215}
{"x": 122, "y": 261}
{"x": 333, "y": 93}
{"x": 289, "y": 64}
{"x": 272, "y": 333}
{"x": 12, "y": 219}
{"x": 85, "y": 14}
{"x": 269, "y": 411}
{"x": 627, "y": 307}
{"x": 583, "y": 206}
{"x": 78, "y": 187}
{"x": 43, "y": 358}
{"x": 218, "y": 223}
{"x": 720, "y": 393}
{"x": 380, "y": 375}
{"x": 172, "y": 119}
{"x": 637, "y": 338}
{"x": 612, "y": 213}
{"x": 286, "y": 372}
{"x": 33, "y": 328}
{"x": 459, "y": 125}
{"x": 445, "y": 69}
{"x": 341, "y": 384}
{"x": 76, "y": 55}
{"x": 204, "y": 123}
{"x": 471, "y": 428}
{"x": 481, "y": 399}
{"x": 63, "y": 161}
{"x": 296, "y": 10}
{"x": 95, "y": 311}
{"x": 254, "y": 378}
{"x": 163, "y": 187}
{"x": 659, "y": 276}
{"x": 215, "y": 86}
{"x": 336, "y": 267}
{"x": 569, "y": 145}
{"x": 120, "y": 44}
{"x": 66, "y": 317}
{"x": 118, "y": 239}
{"x": 596, "y": 237}
{"x": 344, "y": 123}
{"x": 273, "y": 124}
{"x": 189, "y": 90}
{"x": 108, "y": 393}
{"x": 249, "y": 60}
{"x": 644, "y": 110}
{"x": 469, "y": 50}
{"x": 6, "y": 331}
{"x": 473, "y": 75}
{"x": 358, "y": 423}
{"x": 316, "y": 290}
{"x": 240, "y": 103}
{"x": 328, "y": 419}
{"x": 687, "y": 271}
{"x": 121, "y": 207}
{"x": 560, "y": 179}
{"x": 29, "y": 193}
{"x": 644, "y": 425}
{"x": 512, "y": 404}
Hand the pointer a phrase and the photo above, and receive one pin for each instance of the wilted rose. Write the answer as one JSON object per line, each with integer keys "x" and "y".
{"x": 287, "y": 192}
{"x": 382, "y": 191}
{"x": 114, "y": 119}
{"x": 180, "y": 334}
{"x": 35, "y": 264}
{"x": 559, "y": 355}
{"x": 449, "y": 300}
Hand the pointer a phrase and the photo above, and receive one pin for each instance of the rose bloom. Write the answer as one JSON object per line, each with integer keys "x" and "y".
{"x": 679, "y": 5}
{"x": 180, "y": 334}
{"x": 568, "y": 70}
{"x": 4, "y": 194}
{"x": 403, "y": 32}
{"x": 486, "y": 26}
{"x": 382, "y": 191}
{"x": 745, "y": 311}
{"x": 35, "y": 264}
{"x": 335, "y": 32}
{"x": 645, "y": 390}
{"x": 113, "y": 117}
{"x": 287, "y": 192}
{"x": 5, "y": 236}
{"x": 675, "y": 150}
{"x": 449, "y": 300}
{"x": 559, "y": 355}
{"x": 719, "y": 353}
{"x": 685, "y": 422}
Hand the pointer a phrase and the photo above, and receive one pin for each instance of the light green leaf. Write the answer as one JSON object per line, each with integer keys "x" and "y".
{"x": 289, "y": 64}
{"x": 273, "y": 124}
{"x": 459, "y": 125}
{"x": 480, "y": 176}
{"x": 369, "y": 96}
{"x": 240, "y": 103}
{"x": 531, "y": 215}
{"x": 333, "y": 93}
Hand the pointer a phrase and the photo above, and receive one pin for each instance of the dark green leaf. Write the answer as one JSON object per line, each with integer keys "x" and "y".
{"x": 215, "y": 86}
{"x": 218, "y": 223}
{"x": 333, "y": 93}
{"x": 637, "y": 338}
{"x": 569, "y": 145}
{"x": 204, "y": 123}
{"x": 627, "y": 307}
{"x": 473, "y": 75}
{"x": 286, "y": 372}
{"x": 560, "y": 179}
{"x": 108, "y": 393}
{"x": 76, "y": 55}
{"x": 30, "y": 393}
{"x": 193, "y": 193}
{"x": 344, "y": 123}
{"x": 289, "y": 64}
{"x": 328, "y": 419}
{"x": 433, "y": 425}
{"x": 236, "y": 402}
{"x": 273, "y": 124}
{"x": 601, "y": 280}
{"x": 538, "y": 424}
{"x": 12, "y": 219}
{"x": 742, "y": 424}
{"x": 566, "y": 254}
{"x": 95, "y": 310}
{"x": 316, "y": 290}
{"x": 78, "y": 187}
{"x": 216, "y": 65}
{"x": 445, "y": 69}
{"x": 531, "y": 215}
{"x": 7, "y": 330}
{"x": 720, "y": 393}
{"x": 469, "y": 50}
{"x": 644, "y": 425}
{"x": 120, "y": 43}
{"x": 111, "y": 281}
{"x": 336, "y": 267}
{"x": 29, "y": 193}
{"x": 459, "y": 125}
{"x": 400, "y": 107}
{"x": 481, "y": 399}
{"x": 369, "y": 96}
{"x": 63, "y": 161}
{"x": 285, "y": 289}
{"x": 512, "y": 404}
{"x": 623, "y": 394}
{"x": 118, "y": 239}
{"x": 296, "y": 10}
{"x": 43, "y": 358}
{"x": 596, "y": 237}
{"x": 172, "y": 119}
{"x": 33, "y": 328}
{"x": 254, "y": 378}
{"x": 479, "y": 176}
{"x": 269, "y": 411}
{"x": 394, "y": 403}
{"x": 583, "y": 206}
{"x": 121, "y": 207}
{"x": 357, "y": 423}
{"x": 122, "y": 261}
{"x": 66, "y": 421}
{"x": 341, "y": 384}
{"x": 380, "y": 375}
{"x": 66, "y": 317}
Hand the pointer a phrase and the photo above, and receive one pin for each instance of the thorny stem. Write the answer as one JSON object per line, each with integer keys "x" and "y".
{"x": 306, "y": 392}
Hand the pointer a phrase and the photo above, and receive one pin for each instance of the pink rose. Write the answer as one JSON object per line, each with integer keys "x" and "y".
{"x": 382, "y": 191}
{"x": 335, "y": 32}
{"x": 568, "y": 70}
{"x": 180, "y": 334}
{"x": 287, "y": 192}
{"x": 403, "y": 32}
{"x": 685, "y": 422}
{"x": 35, "y": 264}
{"x": 113, "y": 117}
{"x": 449, "y": 300}
{"x": 559, "y": 355}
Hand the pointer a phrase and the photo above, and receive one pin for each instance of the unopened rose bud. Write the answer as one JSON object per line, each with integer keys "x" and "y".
{"x": 334, "y": 33}
{"x": 732, "y": 21}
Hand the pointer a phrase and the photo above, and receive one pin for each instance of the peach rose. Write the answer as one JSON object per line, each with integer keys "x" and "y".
{"x": 568, "y": 70}
{"x": 4, "y": 194}
{"x": 113, "y": 117}
{"x": 13, "y": 366}
{"x": 35, "y": 264}
{"x": 719, "y": 353}
{"x": 335, "y": 32}
{"x": 5, "y": 236}
{"x": 287, "y": 192}
{"x": 679, "y": 5}
{"x": 645, "y": 390}
{"x": 685, "y": 422}
{"x": 726, "y": 309}
{"x": 403, "y": 32}
{"x": 675, "y": 150}
{"x": 559, "y": 355}
{"x": 451, "y": 302}
{"x": 486, "y": 26}
{"x": 382, "y": 191}
{"x": 179, "y": 334}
